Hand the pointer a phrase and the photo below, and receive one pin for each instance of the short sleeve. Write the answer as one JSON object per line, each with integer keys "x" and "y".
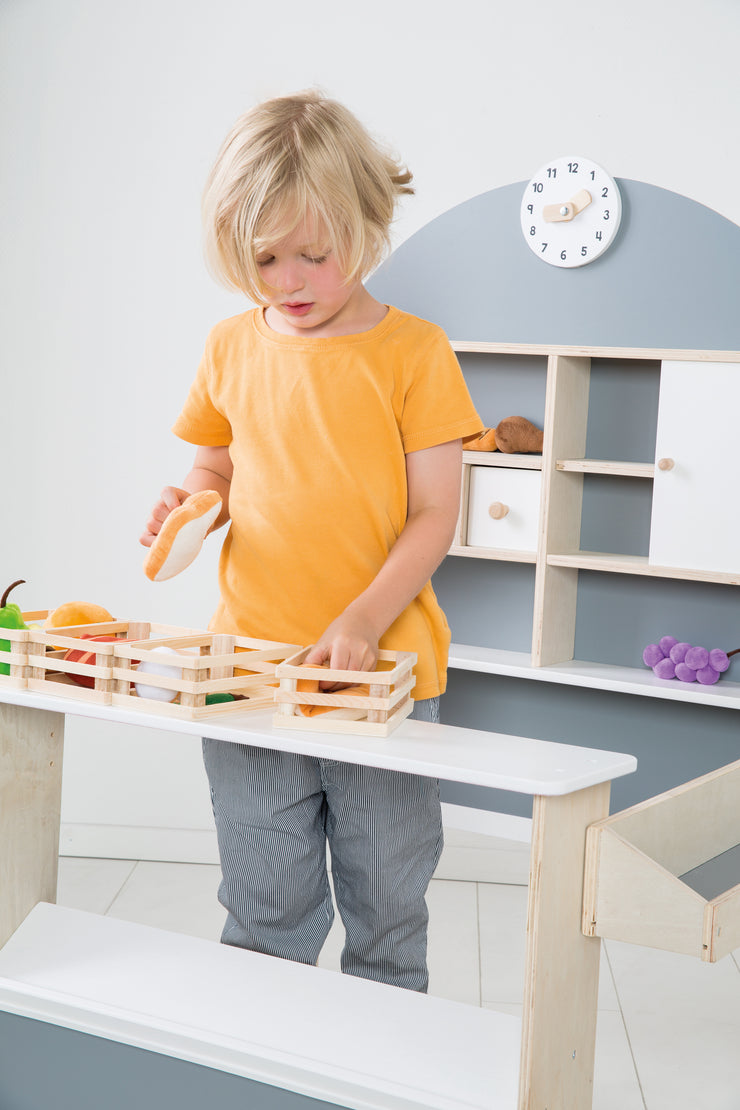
{"x": 201, "y": 421}
{"x": 437, "y": 406}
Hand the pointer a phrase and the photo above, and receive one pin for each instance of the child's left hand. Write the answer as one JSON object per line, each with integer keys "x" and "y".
{"x": 350, "y": 643}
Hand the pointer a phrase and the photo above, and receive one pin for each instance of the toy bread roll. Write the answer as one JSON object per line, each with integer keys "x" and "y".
{"x": 182, "y": 535}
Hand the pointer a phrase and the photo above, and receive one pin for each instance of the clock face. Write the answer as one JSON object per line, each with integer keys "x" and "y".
{"x": 570, "y": 212}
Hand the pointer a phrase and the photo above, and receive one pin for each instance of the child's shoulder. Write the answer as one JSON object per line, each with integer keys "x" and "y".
{"x": 233, "y": 326}
{"x": 415, "y": 329}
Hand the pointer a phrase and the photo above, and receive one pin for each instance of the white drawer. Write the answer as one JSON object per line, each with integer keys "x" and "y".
{"x": 503, "y": 508}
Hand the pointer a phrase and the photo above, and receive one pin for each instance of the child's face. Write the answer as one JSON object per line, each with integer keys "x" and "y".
{"x": 305, "y": 289}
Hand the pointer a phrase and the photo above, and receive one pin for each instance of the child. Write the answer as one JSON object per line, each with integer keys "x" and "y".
{"x": 331, "y": 426}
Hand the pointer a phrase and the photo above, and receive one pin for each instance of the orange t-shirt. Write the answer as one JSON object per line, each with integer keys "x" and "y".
{"x": 317, "y": 430}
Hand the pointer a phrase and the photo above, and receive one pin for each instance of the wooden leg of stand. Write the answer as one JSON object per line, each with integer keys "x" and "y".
{"x": 31, "y": 745}
{"x": 562, "y": 965}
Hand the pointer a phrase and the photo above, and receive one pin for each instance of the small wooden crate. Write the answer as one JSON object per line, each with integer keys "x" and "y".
{"x": 50, "y": 672}
{"x": 15, "y": 657}
{"x": 377, "y": 708}
{"x": 633, "y": 890}
{"x": 205, "y": 663}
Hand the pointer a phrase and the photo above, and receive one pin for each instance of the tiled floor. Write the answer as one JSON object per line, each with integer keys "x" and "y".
{"x": 668, "y": 1034}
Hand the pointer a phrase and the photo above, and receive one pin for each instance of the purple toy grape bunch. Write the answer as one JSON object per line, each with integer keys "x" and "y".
{"x": 672, "y": 658}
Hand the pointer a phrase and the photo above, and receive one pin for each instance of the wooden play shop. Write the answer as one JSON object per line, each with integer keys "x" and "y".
{"x": 77, "y": 987}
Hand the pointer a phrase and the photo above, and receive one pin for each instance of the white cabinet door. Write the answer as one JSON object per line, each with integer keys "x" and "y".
{"x": 696, "y": 491}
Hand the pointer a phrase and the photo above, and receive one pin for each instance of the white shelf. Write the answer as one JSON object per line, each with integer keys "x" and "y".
{"x": 501, "y": 458}
{"x": 497, "y": 553}
{"x": 331, "y": 1037}
{"x": 596, "y": 676}
{"x": 558, "y": 557}
{"x": 656, "y": 354}
{"x": 607, "y": 466}
{"x": 637, "y": 564}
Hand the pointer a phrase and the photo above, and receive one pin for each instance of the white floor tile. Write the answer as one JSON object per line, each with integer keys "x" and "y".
{"x": 453, "y": 952}
{"x": 91, "y": 884}
{"x": 476, "y": 858}
{"x": 683, "y": 1021}
{"x": 503, "y": 921}
{"x": 616, "y": 1086}
{"x": 180, "y": 897}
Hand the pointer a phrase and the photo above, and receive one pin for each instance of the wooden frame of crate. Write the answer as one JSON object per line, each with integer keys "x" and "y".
{"x": 49, "y": 671}
{"x": 16, "y": 656}
{"x": 376, "y": 712}
{"x": 209, "y": 663}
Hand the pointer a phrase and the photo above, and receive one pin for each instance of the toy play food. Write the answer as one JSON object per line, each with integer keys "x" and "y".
{"x": 159, "y": 693}
{"x": 77, "y": 612}
{"x": 486, "y": 441}
{"x": 75, "y": 656}
{"x": 10, "y": 617}
{"x": 517, "y": 434}
{"x": 672, "y": 658}
{"x": 512, "y": 435}
{"x": 182, "y": 536}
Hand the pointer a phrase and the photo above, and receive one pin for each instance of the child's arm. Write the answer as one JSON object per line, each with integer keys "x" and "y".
{"x": 212, "y": 469}
{"x": 433, "y": 477}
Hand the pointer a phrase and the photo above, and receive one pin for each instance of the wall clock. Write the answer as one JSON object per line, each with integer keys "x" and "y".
{"x": 570, "y": 211}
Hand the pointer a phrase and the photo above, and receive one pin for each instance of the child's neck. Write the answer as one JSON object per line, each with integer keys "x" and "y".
{"x": 359, "y": 313}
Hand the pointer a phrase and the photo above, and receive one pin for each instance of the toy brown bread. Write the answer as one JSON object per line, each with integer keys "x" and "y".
{"x": 513, "y": 435}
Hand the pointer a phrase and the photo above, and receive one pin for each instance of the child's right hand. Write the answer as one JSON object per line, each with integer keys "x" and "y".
{"x": 170, "y": 498}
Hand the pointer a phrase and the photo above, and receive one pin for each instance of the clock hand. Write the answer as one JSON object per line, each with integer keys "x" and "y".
{"x": 563, "y": 213}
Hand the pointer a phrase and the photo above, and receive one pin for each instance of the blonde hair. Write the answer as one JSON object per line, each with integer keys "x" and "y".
{"x": 295, "y": 158}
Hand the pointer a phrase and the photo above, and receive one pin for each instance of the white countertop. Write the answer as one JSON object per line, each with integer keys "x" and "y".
{"x": 492, "y": 759}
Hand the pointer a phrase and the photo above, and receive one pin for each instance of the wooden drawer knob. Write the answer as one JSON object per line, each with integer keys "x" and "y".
{"x": 666, "y": 464}
{"x": 498, "y": 510}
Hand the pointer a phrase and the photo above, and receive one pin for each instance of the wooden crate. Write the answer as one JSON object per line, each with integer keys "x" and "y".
{"x": 50, "y": 671}
{"x": 16, "y": 656}
{"x": 634, "y": 859}
{"x": 381, "y": 701}
{"x": 200, "y": 665}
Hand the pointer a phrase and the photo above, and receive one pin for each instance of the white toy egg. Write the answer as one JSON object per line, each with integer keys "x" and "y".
{"x": 158, "y": 693}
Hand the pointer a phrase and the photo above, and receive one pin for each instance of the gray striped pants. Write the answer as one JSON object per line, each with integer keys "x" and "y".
{"x": 275, "y": 812}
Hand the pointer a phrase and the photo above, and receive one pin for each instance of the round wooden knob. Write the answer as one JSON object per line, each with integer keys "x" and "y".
{"x": 666, "y": 464}
{"x": 498, "y": 510}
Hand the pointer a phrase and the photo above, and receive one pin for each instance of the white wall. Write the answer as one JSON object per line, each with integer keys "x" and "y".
{"x": 110, "y": 115}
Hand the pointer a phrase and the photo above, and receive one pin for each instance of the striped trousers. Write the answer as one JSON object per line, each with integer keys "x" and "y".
{"x": 275, "y": 812}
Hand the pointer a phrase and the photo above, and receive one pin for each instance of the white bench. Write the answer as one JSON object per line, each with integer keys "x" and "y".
{"x": 306, "y": 1031}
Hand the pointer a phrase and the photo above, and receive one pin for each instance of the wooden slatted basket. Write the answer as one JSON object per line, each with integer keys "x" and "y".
{"x": 69, "y": 662}
{"x": 15, "y": 656}
{"x": 375, "y": 703}
{"x": 191, "y": 673}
